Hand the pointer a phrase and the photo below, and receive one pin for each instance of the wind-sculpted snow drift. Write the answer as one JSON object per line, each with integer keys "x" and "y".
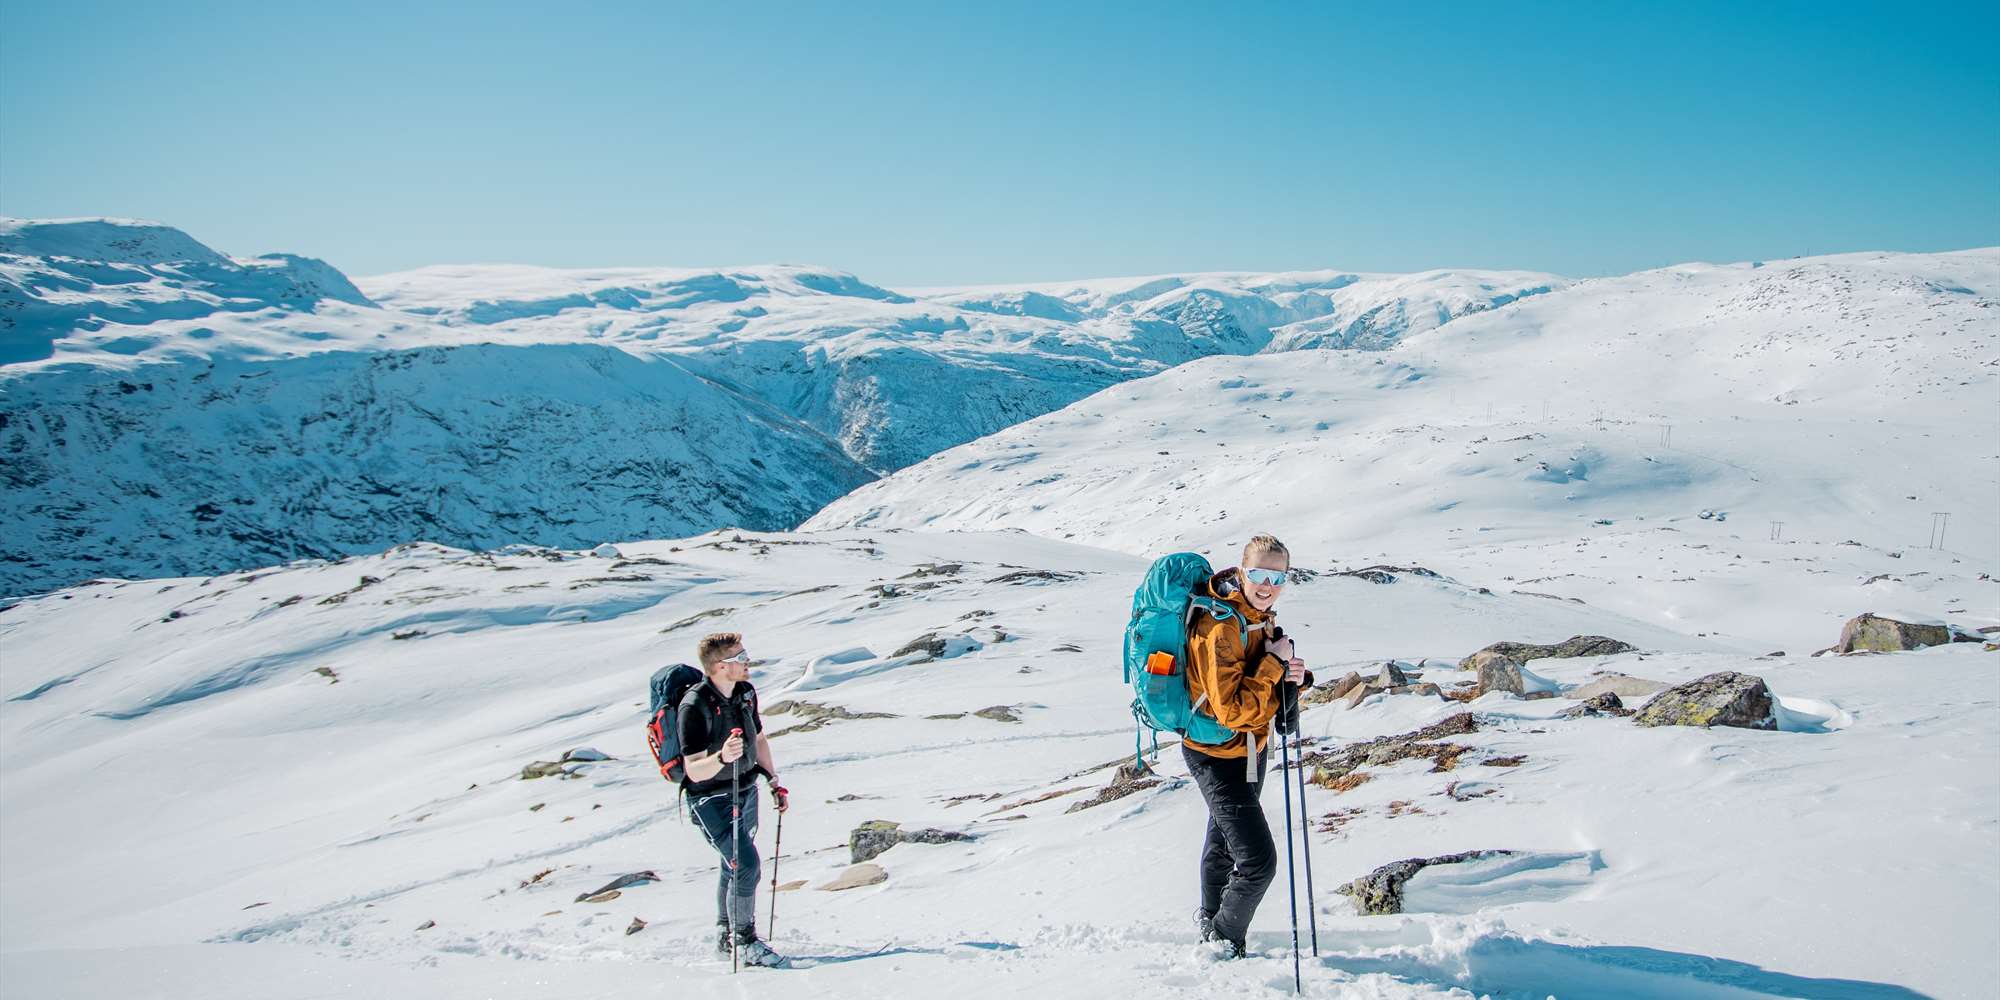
{"x": 541, "y": 405}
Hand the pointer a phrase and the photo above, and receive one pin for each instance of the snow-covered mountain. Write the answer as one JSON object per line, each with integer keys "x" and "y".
{"x": 1816, "y": 408}
{"x": 309, "y": 781}
{"x": 312, "y": 778}
{"x": 165, "y": 408}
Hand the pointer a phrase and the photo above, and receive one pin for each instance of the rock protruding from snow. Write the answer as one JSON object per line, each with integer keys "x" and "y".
{"x": 871, "y": 839}
{"x": 1576, "y": 645}
{"x": 1727, "y": 698}
{"x": 857, "y": 876}
{"x": 611, "y": 889}
{"x": 1873, "y": 633}
{"x": 1330, "y": 766}
{"x": 1622, "y": 685}
{"x": 1380, "y": 892}
{"x": 1498, "y": 672}
{"x": 1334, "y": 689}
{"x": 1130, "y": 778}
{"x": 1602, "y": 703}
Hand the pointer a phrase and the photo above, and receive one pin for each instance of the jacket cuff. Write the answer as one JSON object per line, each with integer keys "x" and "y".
{"x": 1271, "y": 666}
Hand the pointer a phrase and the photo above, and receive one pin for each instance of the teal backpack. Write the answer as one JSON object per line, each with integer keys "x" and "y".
{"x": 1156, "y": 651}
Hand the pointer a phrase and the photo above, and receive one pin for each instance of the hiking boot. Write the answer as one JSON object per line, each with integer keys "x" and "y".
{"x": 723, "y": 940}
{"x": 1204, "y": 924}
{"x": 1220, "y": 949}
{"x": 751, "y": 951}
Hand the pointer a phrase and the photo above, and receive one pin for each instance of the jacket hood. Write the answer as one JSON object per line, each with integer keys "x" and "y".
{"x": 1224, "y": 586}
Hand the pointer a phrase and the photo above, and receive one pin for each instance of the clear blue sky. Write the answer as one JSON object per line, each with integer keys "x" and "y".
{"x": 938, "y": 143}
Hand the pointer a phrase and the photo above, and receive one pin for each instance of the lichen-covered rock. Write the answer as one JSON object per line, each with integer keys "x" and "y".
{"x": 870, "y": 839}
{"x": 1380, "y": 892}
{"x": 542, "y": 769}
{"x": 999, "y": 713}
{"x": 1872, "y": 633}
{"x": 1501, "y": 673}
{"x": 1720, "y": 699}
{"x": 1576, "y": 645}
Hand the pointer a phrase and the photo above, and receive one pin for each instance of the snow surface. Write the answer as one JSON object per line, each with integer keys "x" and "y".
{"x": 193, "y": 804}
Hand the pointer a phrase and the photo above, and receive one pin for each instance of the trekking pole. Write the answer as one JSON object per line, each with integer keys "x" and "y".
{"x": 1305, "y": 829}
{"x": 1291, "y": 881}
{"x": 736, "y": 856}
{"x": 777, "y": 851}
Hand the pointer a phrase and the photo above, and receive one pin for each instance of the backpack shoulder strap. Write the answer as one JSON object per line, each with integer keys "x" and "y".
{"x": 1221, "y": 612}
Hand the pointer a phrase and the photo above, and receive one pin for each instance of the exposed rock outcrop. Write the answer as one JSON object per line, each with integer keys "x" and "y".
{"x": 1576, "y": 645}
{"x": 1727, "y": 698}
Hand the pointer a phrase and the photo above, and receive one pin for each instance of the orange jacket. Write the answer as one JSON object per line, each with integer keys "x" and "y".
{"x": 1237, "y": 682}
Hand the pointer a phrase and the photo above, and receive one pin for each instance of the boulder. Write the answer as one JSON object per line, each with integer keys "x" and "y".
{"x": 542, "y": 769}
{"x": 1501, "y": 673}
{"x": 1720, "y": 699}
{"x": 1622, "y": 685}
{"x": 999, "y": 713}
{"x": 1872, "y": 633}
{"x": 1576, "y": 645}
{"x": 1323, "y": 693}
{"x": 1391, "y": 676}
{"x": 1380, "y": 892}
{"x": 929, "y": 642}
{"x": 1604, "y": 703}
{"x": 1357, "y": 694}
{"x": 855, "y": 877}
{"x": 870, "y": 839}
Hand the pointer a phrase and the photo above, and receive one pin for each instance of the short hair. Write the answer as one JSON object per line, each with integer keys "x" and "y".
{"x": 1265, "y": 544}
{"x": 712, "y": 647}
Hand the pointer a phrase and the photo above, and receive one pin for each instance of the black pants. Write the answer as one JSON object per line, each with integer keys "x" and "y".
{"x": 736, "y": 887}
{"x": 1238, "y": 856}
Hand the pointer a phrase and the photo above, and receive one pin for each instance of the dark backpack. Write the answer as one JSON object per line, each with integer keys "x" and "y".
{"x": 663, "y": 728}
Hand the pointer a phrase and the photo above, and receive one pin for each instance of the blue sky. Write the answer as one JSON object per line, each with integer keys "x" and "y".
{"x": 938, "y": 143}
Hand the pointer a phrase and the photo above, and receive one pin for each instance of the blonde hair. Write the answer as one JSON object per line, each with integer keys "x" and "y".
{"x": 1265, "y": 545}
{"x": 711, "y": 647}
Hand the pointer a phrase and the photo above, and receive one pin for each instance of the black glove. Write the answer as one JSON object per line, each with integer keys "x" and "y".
{"x": 1288, "y": 709}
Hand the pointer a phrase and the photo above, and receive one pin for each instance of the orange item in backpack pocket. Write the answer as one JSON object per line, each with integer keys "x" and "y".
{"x": 1160, "y": 663}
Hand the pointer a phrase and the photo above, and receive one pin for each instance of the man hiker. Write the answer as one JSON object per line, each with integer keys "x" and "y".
{"x": 719, "y": 723}
{"x": 1240, "y": 680}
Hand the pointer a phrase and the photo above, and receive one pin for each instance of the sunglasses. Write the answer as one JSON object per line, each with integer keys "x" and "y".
{"x": 1267, "y": 577}
{"x": 742, "y": 657}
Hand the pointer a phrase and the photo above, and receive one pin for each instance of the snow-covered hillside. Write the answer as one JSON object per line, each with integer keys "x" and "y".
{"x": 307, "y": 781}
{"x": 1819, "y": 411}
{"x": 168, "y": 409}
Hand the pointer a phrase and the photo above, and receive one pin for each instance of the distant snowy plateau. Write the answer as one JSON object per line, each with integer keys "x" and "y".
{"x": 331, "y": 603}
